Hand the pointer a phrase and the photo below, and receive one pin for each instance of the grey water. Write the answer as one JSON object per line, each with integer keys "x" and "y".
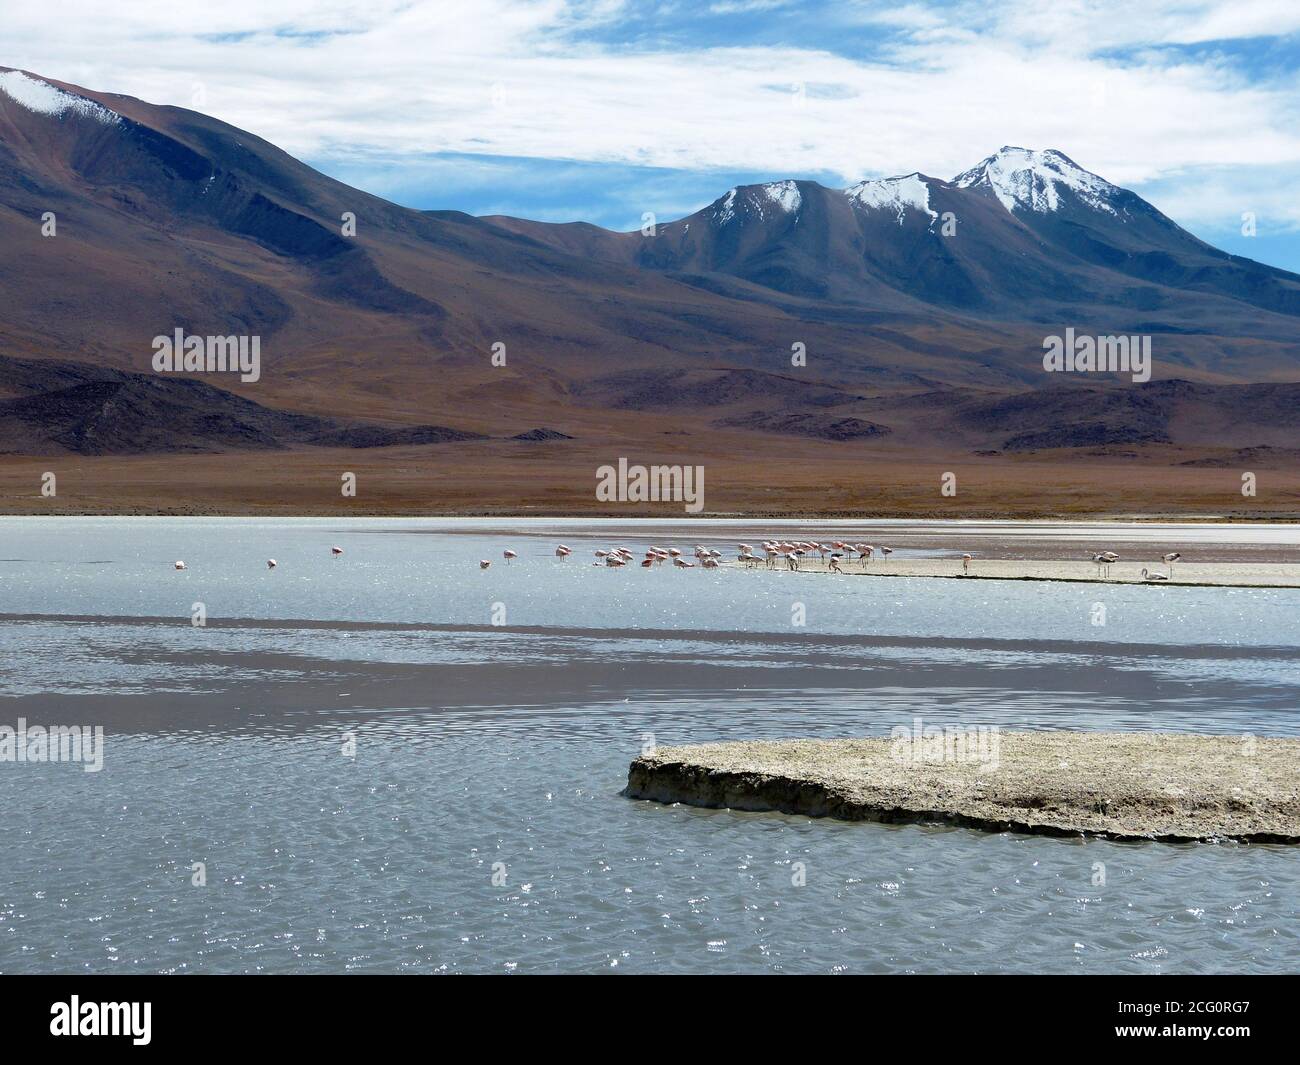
{"x": 395, "y": 761}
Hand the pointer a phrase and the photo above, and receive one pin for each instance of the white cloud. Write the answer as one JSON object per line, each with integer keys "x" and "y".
{"x": 332, "y": 77}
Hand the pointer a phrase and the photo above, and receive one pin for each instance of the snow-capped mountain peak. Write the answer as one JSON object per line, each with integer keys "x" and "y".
{"x": 1033, "y": 180}
{"x": 46, "y": 99}
{"x": 782, "y": 196}
{"x": 895, "y": 194}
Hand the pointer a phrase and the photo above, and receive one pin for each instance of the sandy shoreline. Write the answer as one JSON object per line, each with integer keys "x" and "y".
{"x": 1188, "y": 574}
{"x": 1130, "y": 786}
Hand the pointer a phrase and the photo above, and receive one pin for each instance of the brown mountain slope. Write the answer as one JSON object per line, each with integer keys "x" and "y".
{"x": 913, "y": 338}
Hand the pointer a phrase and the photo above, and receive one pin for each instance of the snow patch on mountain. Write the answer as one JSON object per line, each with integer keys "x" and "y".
{"x": 896, "y": 194}
{"x": 785, "y": 194}
{"x": 1033, "y": 180}
{"x": 46, "y": 99}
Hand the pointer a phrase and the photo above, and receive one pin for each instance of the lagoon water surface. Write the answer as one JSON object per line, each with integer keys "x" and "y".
{"x": 394, "y": 761}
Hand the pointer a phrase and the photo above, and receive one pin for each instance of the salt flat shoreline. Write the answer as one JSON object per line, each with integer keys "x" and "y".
{"x": 1187, "y": 574}
{"x": 1169, "y": 787}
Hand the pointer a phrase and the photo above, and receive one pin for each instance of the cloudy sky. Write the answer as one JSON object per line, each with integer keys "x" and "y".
{"x": 604, "y": 109}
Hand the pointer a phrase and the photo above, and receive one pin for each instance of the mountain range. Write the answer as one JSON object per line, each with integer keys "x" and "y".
{"x": 904, "y": 312}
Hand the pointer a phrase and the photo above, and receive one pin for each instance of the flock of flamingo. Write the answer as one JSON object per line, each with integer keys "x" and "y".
{"x": 708, "y": 558}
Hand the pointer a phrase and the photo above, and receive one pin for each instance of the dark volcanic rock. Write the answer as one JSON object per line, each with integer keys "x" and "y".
{"x": 363, "y": 436}
{"x": 141, "y": 415}
{"x": 820, "y": 426}
{"x": 541, "y": 434}
{"x": 92, "y": 410}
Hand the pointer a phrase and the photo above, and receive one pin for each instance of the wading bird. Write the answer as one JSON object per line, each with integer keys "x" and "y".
{"x": 483, "y": 563}
{"x": 336, "y": 551}
{"x": 178, "y": 564}
{"x": 965, "y": 563}
{"x": 1170, "y": 559}
{"x": 562, "y": 552}
{"x": 1154, "y": 576}
{"x": 271, "y": 563}
{"x": 508, "y": 555}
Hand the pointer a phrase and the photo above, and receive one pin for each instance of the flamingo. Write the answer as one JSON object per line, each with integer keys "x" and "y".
{"x": 1154, "y": 576}
{"x": 508, "y": 555}
{"x": 1170, "y": 559}
{"x": 178, "y": 564}
{"x": 271, "y": 563}
{"x": 336, "y": 551}
{"x": 1107, "y": 559}
{"x": 835, "y": 564}
{"x": 865, "y": 551}
{"x": 965, "y": 563}
{"x": 483, "y": 563}
{"x": 563, "y": 552}
{"x": 710, "y": 563}
{"x": 885, "y": 552}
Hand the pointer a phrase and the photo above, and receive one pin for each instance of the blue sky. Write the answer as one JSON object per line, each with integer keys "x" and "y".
{"x": 602, "y": 110}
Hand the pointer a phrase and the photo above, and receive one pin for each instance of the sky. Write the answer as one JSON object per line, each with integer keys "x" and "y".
{"x": 603, "y": 110}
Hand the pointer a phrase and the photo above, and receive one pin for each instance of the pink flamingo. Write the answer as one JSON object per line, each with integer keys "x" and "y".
{"x": 483, "y": 563}
{"x": 336, "y": 551}
{"x": 178, "y": 564}
{"x": 508, "y": 555}
{"x": 965, "y": 563}
{"x": 562, "y": 552}
{"x": 271, "y": 563}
